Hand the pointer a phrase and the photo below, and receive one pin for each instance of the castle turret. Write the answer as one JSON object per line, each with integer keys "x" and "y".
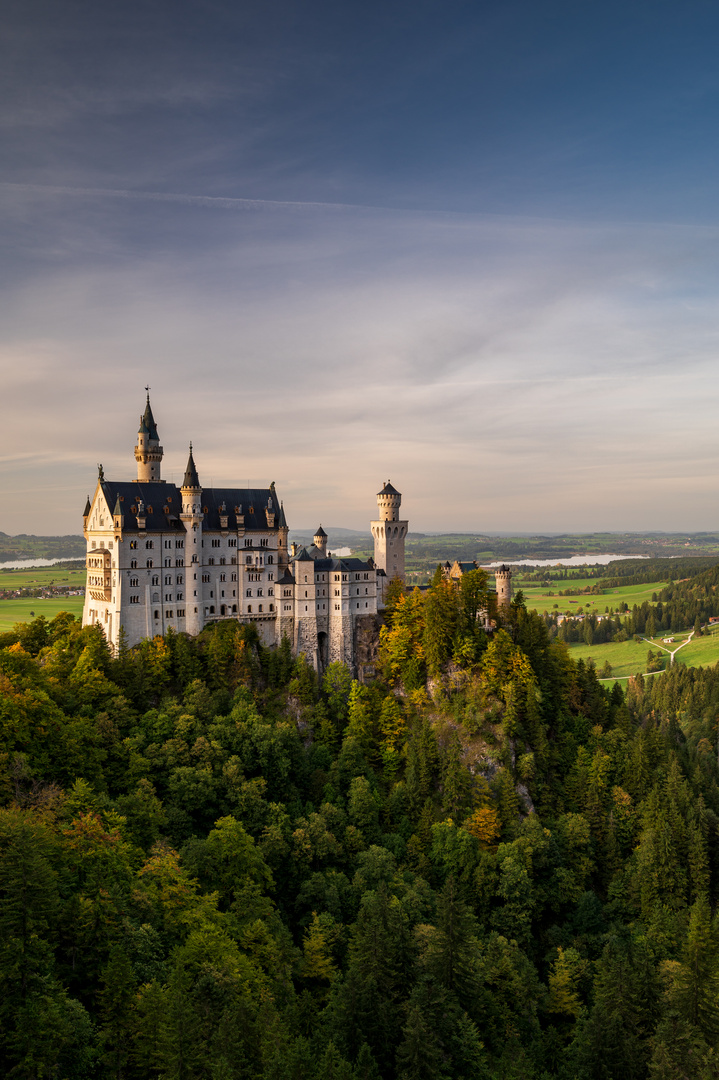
{"x": 389, "y": 534}
{"x": 192, "y": 517}
{"x": 320, "y": 542}
{"x": 148, "y": 452}
{"x": 503, "y": 582}
{"x": 283, "y": 555}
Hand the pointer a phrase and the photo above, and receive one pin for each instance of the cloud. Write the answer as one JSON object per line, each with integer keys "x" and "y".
{"x": 505, "y": 374}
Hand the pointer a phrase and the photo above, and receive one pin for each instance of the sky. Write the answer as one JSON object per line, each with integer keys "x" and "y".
{"x": 469, "y": 247}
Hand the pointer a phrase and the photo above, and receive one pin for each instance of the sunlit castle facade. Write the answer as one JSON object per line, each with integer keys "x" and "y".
{"x": 159, "y": 556}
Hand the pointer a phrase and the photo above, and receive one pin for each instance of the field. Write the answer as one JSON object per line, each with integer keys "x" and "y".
{"x": 13, "y": 611}
{"x": 537, "y": 596}
{"x": 630, "y": 657}
{"x": 40, "y": 578}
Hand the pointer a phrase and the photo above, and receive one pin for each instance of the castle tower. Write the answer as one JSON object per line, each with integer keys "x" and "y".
{"x": 389, "y": 534}
{"x": 320, "y": 542}
{"x": 148, "y": 452}
{"x": 503, "y": 581}
{"x": 192, "y": 517}
{"x": 283, "y": 555}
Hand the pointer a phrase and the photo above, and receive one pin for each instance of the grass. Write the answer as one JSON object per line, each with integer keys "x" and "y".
{"x": 14, "y": 611}
{"x": 538, "y": 598}
{"x": 630, "y": 657}
{"x": 39, "y": 578}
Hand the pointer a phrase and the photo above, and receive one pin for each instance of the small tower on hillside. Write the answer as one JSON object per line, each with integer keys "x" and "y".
{"x": 320, "y": 542}
{"x": 148, "y": 452}
{"x": 503, "y": 581}
{"x": 389, "y": 534}
{"x": 192, "y": 517}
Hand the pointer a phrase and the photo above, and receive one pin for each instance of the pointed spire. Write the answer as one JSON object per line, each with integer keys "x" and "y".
{"x": 117, "y": 512}
{"x": 191, "y": 480}
{"x": 88, "y": 508}
{"x": 281, "y": 519}
{"x": 148, "y": 420}
{"x": 321, "y": 532}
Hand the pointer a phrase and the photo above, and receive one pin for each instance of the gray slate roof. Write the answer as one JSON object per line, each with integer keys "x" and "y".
{"x": 156, "y": 497}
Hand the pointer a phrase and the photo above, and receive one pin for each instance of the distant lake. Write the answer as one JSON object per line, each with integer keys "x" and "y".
{"x": 30, "y": 563}
{"x": 341, "y": 553}
{"x": 572, "y": 560}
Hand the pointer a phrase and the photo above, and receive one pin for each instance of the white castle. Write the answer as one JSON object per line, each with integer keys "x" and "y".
{"x": 159, "y": 556}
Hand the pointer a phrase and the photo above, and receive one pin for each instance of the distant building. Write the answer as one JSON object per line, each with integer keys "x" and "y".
{"x": 159, "y": 556}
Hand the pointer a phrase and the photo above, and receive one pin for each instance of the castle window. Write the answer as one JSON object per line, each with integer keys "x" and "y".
{"x": 223, "y": 577}
{"x": 178, "y": 562}
{"x": 259, "y": 592}
{"x": 248, "y": 592}
{"x": 149, "y": 564}
{"x": 337, "y": 577}
{"x": 215, "y": 543}
{"x": 288, "y": 607}
{"x": 168, "y": 597}
{"x": 168, "y": 562}
{"x": 248, "y": 560}
{"x": 168, "y": 614}
{"x": 337, "y": 592}
{"x": 168, "y": 579}
{"x": 133, "y": 564}
{"x": 179, "y": 543}
{"x": 366, "y": 591}
{"x": 270, "y": 592}
{"x": 180, "y": 613}
{"x": 157, "y": 615}
{"x": 212, "y": 610}
{"x": 168, "y": 543}
{"x": 206, "y": 578}
{"x": 306, "y": 608}
{"x": 249, "y": 608}
{"x": 248, "y": 542}
{"x": 233, "y": 560}
{"x": 149, "y": 543}
{"x": 232, "y": 543}
{"x": 270, "y": 577}
{"x": 211, "y": 562}
{"x": 134, "y": 599}
{"x": 337, "y": 607}
{"x": 179, "y": 597}
{"x": 365, "y": 605}
{"x": 134, "y": 582}
{"x": 234, "y": 609}
{"x": 133, "y": 544}
{"x": 233, "y": 577}
{"x": 155, "y": 579}
{"x": 270, "y": 558}
{"x": 272, "y": 607}
{"x": 223, "y": 561}
{"x": 94, "y": 544}
{"x": 259, "y": 607}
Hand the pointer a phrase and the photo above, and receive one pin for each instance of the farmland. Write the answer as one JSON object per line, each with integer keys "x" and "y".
{"x": 542, "y": 599}
{"x": 26, "y": 609}
{"x": 630, "y": 657}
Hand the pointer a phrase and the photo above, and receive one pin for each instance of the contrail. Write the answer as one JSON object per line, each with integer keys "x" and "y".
{"x": 219, "y": 202}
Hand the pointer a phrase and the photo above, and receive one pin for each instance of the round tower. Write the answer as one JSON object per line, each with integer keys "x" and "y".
{"x": 192, "y": 518}
{"x": 148, "y": 452}
{"x": 389, "y": 534}
{"x": 503, "y": 583}
{"x": 389, "y": 501}
{"x": 320, "y": 542}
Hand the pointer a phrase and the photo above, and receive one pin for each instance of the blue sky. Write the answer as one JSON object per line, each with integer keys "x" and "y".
{"x": 471, "y": 247}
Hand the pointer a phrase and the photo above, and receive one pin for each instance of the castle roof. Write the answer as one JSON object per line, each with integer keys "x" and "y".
{"x": 321, "y": 532}
{"x": 191, "y": 480}
{"x": 281, "y": 519}
{"x": 149, "y": 421}
{"x": 387, "y": 489}
{"x": 87, "y": 509}
{"x": 285, "y": 579}
{"x": 163, "y": 505}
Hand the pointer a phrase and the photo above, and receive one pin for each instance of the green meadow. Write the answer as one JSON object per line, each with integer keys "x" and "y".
{"x": 29, "y": 608}
{"x": 538, "y": 598}
{"x": 41, "y": 577}
{"x": 630, "y": 657}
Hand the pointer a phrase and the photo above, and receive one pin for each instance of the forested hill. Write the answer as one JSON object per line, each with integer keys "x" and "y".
{"x": 16, "y": 548}
{"x": 483, "y": 865}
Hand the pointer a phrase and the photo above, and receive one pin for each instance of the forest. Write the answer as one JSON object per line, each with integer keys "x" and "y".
{"x": 215, "y": 865}
{"x": 679, "y": 606}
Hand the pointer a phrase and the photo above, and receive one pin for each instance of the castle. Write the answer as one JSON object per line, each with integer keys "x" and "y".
{"x": 159, "y": 556}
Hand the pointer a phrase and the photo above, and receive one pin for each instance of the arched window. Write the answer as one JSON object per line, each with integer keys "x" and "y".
{"x": 157, "y": 614}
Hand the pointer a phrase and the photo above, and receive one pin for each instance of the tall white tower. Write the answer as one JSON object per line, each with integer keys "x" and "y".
{"x": 192, "y": 516}
{"x": 389, "y": 533}
{"x": 148, "y": 452}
